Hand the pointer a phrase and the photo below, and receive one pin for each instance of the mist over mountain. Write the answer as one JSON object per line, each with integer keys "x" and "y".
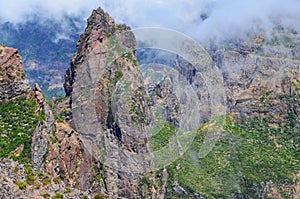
{"x": 200, "y": 19}
{"x": 46, "y": 32}
{"x": 46, "y": 47}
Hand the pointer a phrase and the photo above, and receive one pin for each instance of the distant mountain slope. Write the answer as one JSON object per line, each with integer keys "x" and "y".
{"x": 47, "y": 47}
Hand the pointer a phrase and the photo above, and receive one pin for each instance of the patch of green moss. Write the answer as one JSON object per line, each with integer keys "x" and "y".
{"x": 99, "y": 196}
{"x": 22, "y": 185}
{"x": 58, "y": 196}
{"x": 12, "y": 67}
{"x": 67, "y": 191}
{"x": 120, "y": 27}
{"x": 30, "y": 176}
{"x": 57, "y": 180}
{"x": 46, "y": 195}
{"x": 46, "y": 181}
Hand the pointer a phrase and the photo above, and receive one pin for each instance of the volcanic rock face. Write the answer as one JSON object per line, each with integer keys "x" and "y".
{"x": 94, "y": 41}
{"x": 109, "y": 106}
{"x": 56, "y": 149}
{"x": 254, "y": 80}
{"x": 12, "y": 76}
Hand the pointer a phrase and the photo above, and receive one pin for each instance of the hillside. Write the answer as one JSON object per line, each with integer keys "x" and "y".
{"x": 155, "y": 128}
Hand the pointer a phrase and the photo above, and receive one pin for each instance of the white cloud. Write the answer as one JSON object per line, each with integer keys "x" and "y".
{"x": 226, "y": 18}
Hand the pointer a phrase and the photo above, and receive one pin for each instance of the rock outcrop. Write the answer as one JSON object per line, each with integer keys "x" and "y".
{"x": 57, "y": 152}
{"x": 12, "y": 77}
{"x": 14, "y": 184}
{"x": 42, "y": 133}
{"x": 256, "y": 79}
{"x": 108, "y": 101}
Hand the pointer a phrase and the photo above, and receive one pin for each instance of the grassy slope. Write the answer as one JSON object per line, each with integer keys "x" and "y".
{"x": 250, "y": 154}
{"x": 17, "y": 123}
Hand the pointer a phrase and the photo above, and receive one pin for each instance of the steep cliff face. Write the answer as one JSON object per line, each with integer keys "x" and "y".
{"x": 256, "y": 78}
{"x": 108, "y": 101}
{"x": 94, "y": 43}
{"x": 12, "y": 77}
{"x": 30, "y": 134}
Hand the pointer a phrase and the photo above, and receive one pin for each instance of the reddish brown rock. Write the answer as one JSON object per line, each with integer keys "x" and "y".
{"x": 67, "y": 158}
{"x": 12, "y": 77}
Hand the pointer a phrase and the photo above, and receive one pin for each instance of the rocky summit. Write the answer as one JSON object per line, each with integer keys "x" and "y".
{"x": 124, "y": 131}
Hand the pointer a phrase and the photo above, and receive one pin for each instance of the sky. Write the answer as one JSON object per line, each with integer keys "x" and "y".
{"x": 200, "y": 19}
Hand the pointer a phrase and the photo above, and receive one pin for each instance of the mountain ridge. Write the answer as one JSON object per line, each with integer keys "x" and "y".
{"x": 95, "y": 142}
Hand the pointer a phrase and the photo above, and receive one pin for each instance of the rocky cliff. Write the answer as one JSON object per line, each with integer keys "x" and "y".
{"x": 102, "y": 140}
{"x": 48, "y": 152}
{"x": 12, "y": 78}
{"x": 113, "y": 133}
{"x": 255, "y": 77}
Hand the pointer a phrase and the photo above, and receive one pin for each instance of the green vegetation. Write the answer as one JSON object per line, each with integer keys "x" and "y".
{"x": 274, "y": 41}
{"x": 30, "y": 176}
{"x": 57, "y": 180}
{"x": 62, "y": 114}
{"x": 107, "y": 34}
{"x": 120, "y": 27}
{"x": 46, "y": 181}
{"x": 146, "y": 181}
{"x": 281, "y": 39}
{"x": 145, "y": 187}
{"x": 40, "y": 174}
{"x": 61, "y": 117}
{"x": 53, "y": 93}
{"x": 22, "y": 185}
{"x": 115, "y": 50}
{"x": 99, "y": 196}
{"x": 137, "y": 111}
{"x": 68, "y": 190}
{"x": 37, "y": 186}
{"x": 46, "y": 195}
{"x": 117, "y": 77}
{"x": 162, "y": 135}
{"x": 12, "y": 67}
{"x": 1, "y": 51}
{"x": 58, "y": 196}
{"x": 250, "y": 154}
{"x": 17, "y": 123}
{"x": 129, "y": 56}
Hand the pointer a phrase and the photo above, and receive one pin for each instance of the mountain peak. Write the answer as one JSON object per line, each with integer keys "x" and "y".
{"x": 99, "y": 29}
